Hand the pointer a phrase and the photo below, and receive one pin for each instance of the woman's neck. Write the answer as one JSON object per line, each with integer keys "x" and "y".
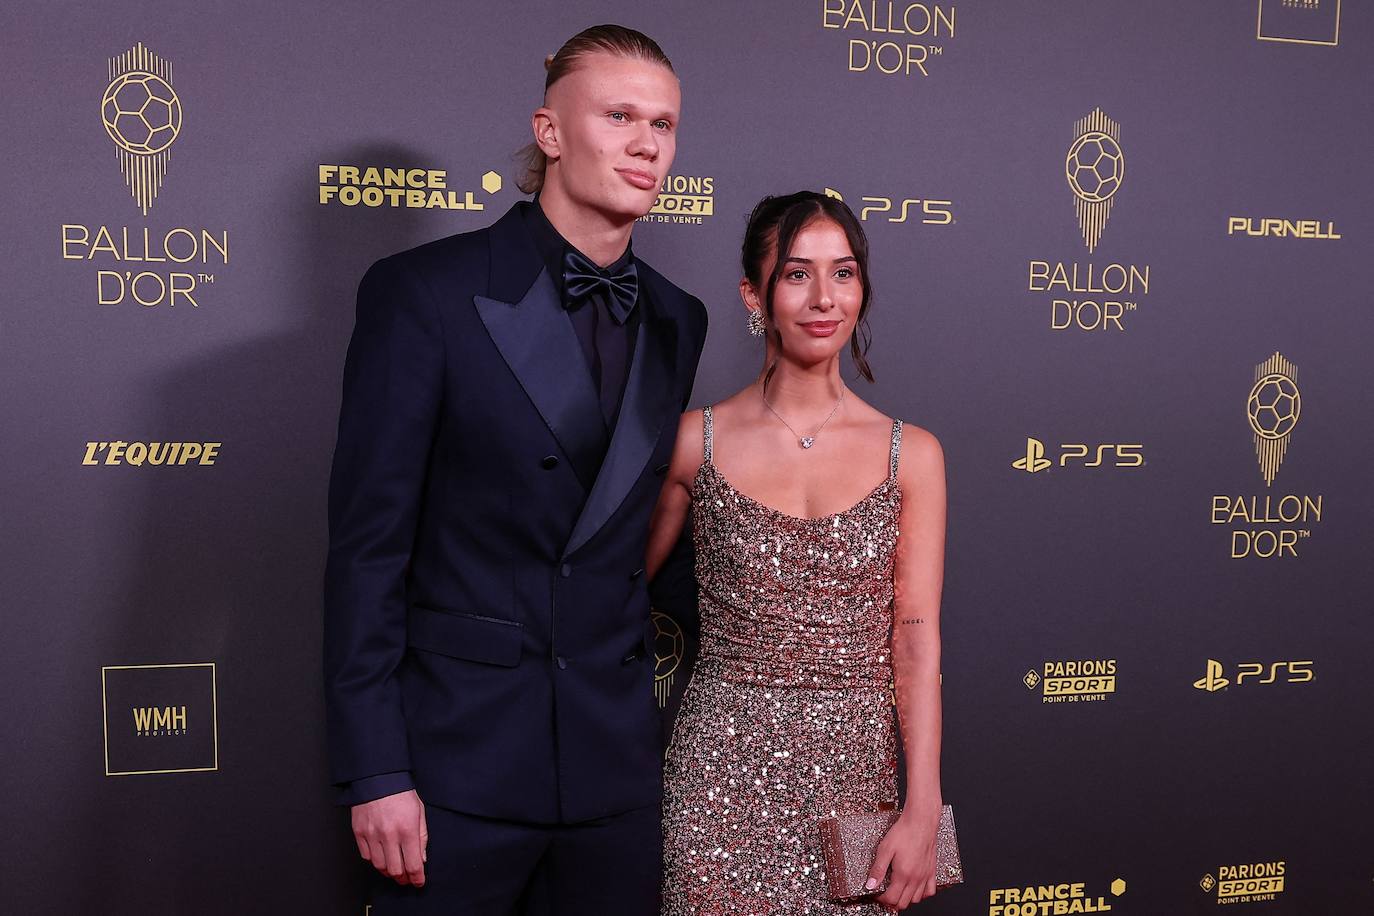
{"x": 803, "y": 389}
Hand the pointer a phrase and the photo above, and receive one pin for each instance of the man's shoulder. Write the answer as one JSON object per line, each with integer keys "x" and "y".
{"x": 465, "y": 253}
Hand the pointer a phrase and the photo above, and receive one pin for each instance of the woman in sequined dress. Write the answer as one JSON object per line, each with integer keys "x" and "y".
{"x": 819, "y": 531}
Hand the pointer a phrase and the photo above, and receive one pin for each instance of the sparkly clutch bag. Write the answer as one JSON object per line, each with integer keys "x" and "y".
{"x": 849, "y": 843}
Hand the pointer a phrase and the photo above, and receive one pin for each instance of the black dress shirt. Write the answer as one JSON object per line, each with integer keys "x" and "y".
{"x": 606, "y": 346}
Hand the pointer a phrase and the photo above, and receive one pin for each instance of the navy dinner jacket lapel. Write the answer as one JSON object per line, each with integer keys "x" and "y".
{"x": 528, "y": 324}
{"x": 532, "y": 331}
{"x": 648, "y": 401}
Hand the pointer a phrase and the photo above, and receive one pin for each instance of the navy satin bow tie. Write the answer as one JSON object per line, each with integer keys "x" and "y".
{"x": 582, "y": 279}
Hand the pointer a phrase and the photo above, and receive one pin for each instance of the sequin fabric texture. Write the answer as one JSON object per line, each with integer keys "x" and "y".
{"x": 788, "y": 715}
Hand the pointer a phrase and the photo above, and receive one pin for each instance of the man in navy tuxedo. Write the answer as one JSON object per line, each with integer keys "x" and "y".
{"x": 510, "y": 404}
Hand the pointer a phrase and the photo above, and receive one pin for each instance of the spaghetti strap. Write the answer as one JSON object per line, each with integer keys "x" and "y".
{"x": 706, "y": 430}
{"x": 896, "y": 448}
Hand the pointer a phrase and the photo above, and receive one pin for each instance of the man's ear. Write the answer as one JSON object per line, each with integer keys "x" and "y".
{"x": 545, "y": 125}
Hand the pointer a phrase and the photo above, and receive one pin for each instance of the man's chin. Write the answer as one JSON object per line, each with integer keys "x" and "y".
{"x": 627, "y": 210}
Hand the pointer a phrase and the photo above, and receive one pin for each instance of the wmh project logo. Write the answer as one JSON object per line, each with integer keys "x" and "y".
{"x": 160, "y": 718}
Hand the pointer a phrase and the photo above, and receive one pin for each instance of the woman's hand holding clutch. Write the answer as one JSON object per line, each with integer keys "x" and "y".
{"x": 908, "y": 850}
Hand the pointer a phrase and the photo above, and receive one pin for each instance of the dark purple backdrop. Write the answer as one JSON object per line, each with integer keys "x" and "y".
{"x": 1160, "y": 784}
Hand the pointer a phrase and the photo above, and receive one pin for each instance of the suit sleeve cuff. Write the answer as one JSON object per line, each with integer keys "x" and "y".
{"x": 373, "y": 787}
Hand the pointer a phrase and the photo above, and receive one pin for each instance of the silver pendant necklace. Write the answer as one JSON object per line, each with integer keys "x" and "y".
{"x": 805, "y": 441}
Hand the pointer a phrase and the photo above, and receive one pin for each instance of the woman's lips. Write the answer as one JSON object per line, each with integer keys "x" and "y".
{"x": 820, "y": 328}
{"x": 642, "y": 180}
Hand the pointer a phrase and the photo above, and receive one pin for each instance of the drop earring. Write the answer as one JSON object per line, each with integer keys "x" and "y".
{"x": 755, "y": 325}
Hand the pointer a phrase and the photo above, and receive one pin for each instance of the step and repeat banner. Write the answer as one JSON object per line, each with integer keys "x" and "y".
{"x": 1122, "y": 263}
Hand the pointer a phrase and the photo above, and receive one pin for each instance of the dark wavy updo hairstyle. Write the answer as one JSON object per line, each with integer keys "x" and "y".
{"x": 605, "y": 39}
{"x": 774, "y": 225}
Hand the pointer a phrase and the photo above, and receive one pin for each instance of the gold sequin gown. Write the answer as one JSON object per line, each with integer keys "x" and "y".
{"x": 788, "y": 715}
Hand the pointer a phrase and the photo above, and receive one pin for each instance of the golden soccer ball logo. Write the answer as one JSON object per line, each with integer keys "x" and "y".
{"x": 1095, "y": 166}
{"x": 668, "y": 645}
{"x": 141, "y": 112}
{"x": 142, "y": 115}
{"x": 669, "y": 648}
{"x": 1273, "y": 406}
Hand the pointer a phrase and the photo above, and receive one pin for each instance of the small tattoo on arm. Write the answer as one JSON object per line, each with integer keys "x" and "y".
{"x": 913, "y": 620}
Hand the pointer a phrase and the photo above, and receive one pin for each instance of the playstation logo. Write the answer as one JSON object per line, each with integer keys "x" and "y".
{"x": 1212, "y": 681}
{"x": 1034, "y": 459}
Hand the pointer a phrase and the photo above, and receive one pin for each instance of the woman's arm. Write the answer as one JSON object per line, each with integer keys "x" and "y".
{"x": 665, "y": 525}
{"x": 918, "y": 577}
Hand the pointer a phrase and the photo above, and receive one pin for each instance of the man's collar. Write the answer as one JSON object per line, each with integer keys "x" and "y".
{"x": 551, "y": 245}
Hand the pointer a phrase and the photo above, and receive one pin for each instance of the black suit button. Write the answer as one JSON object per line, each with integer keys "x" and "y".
{"x": 562, "y": 663}
{"x": 549, "y": 463}
{"x": 637, "y": 573}
{"x": 566, "y": 570}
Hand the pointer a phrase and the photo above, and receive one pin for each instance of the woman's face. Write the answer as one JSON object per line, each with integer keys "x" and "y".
{"x": 816, "y": 300}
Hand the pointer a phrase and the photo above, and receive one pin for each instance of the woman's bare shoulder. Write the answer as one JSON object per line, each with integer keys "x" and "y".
{"x": 689, "y": 432}
{"x": 922, "y": 455}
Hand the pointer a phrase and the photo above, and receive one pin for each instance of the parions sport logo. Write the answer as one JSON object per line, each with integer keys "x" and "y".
{"x": 1251, "y": 882}
{"x": 1270, "y": 526}
{"x": 1073, "y": 680}
{"x": 146, "y": 268}
{"x": 1091, "y": 296}
{"x": 684, "y": 200}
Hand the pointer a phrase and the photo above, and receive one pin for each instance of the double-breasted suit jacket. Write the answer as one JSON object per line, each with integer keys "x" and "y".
{"x": 486, "y": 608}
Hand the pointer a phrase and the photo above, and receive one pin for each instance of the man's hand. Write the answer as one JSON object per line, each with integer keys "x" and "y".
{"x": 392, "y": 835}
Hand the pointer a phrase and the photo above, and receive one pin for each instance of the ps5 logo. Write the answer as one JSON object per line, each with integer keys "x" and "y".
{"x": 1034, "y": 460}
{"x": 1080, "y": 454}
{"x": 927, "y": 211}
{"x": 1293, "y": 672}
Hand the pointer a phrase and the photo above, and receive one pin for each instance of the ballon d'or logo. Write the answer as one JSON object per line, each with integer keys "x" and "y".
{"x": 669, "y": 646}
{"x": 1273, "y": 408}
{"x": 142, "y": 115}
{"x": 1094, "y": 168}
